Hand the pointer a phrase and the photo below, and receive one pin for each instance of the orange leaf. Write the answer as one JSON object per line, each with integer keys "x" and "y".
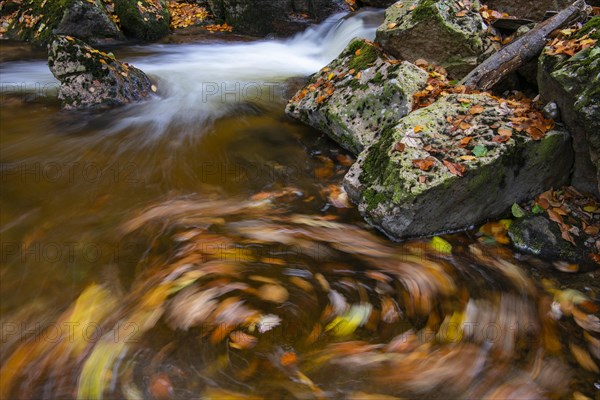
{"x": 418, "y": 128}
{"x": 424, "y": 164}
{"x": 505, "y": 132}
{"x": 477, "y": 109}
{"x": 464, "y": 142}
{"x": 288, "y": 358}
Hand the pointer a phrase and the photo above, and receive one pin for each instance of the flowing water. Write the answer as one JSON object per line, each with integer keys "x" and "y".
{"x": 197, "y": 245}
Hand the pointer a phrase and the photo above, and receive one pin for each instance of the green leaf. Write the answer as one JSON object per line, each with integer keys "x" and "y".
{"x": 479, "y": 151}
{"x": 517, "y": 211}
{"x": 441, "y": 245}
{"x": 537, "y": 209}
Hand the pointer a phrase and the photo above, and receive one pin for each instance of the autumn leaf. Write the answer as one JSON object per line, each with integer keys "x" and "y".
{"x": 424, "y": 164}
{"x": 476, "y": 109}
{"x": 500, "y": 139}
{"x": 505, "y": 132}
{"x": 418, "y": 128}
{"x": 464, "y": 125}
{"x": 464, "y": 142}
{"x": 399, "y": 147}
{"x": 455, "y": 168}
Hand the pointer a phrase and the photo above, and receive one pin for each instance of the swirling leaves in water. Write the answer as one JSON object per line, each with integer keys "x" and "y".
{"x": 259, "y": 303}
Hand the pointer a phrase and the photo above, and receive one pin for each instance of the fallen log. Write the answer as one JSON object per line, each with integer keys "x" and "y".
{"x": 518, "y": 53}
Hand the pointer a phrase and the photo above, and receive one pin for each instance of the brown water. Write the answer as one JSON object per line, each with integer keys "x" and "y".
{"x": 214, "y": 258}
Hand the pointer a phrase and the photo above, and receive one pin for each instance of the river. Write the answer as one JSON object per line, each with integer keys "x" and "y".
{"x": 197, "y": 245}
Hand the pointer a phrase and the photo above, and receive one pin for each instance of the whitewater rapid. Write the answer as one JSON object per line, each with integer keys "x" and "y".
{"x": 199, "y": 83}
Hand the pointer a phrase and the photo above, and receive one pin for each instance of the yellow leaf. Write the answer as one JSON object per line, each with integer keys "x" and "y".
{"x": 392, "y": 25}
{"x": 441, "y": 245}
{"x": 418, "y": 128}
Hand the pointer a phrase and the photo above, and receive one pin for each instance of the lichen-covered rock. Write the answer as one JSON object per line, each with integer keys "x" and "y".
{"x": 38, "y": 21}
{"x": 534, "y": 10}
{"x": 574, "y": 84}
{"x": 357, "y": 95}
{"x": 92, "y": 79}
{"x": 143, "y": 19}
{"x": 407, "y": 184}
{"x": 438, "y": 31}
{"x": 262, "y": 17}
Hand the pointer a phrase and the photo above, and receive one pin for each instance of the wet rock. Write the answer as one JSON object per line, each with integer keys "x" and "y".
{"x": 92, "y": 79}
{"x": 534, "y": 10}
{"x": 573, "y": 83}
{"x": 406, "y": 183}
{"x": 143, "y": 19}
{"x": 38, "y": 21}
{"x": 262, "y": 17}
{"x": 358, "y": 95}
{"x": 441, "y": 32}
{"x": 541, "y": 237}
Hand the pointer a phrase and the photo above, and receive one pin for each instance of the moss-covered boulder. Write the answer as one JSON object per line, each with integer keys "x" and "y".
{"x": 92, "y": 79}
{"x": 454, "y": 164}
{"x": 38, "y": 21}
{"x": 357, "y": 95}
{"x": 534, "y": 10}
{"x": 143, "y": 19}
{"x": 574, "y": 84}
{"x": 262, "y": 17}
{"x": 440, "y": 31}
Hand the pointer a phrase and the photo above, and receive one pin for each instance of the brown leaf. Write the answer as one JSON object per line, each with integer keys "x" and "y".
{"x": 399, "y": 147}
{"x": 555, "y": 217}
{"x": 567, "y": 236}
{"x": 464, "y": 125}
{"x": 424, "y": 164}
{"x": 455, "y": 168}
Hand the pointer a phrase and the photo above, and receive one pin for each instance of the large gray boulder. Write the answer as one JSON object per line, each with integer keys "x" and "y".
{"x": 440, "y": 32}
{"x": 262, "y": 17}
{"x": 143, "y": 19}
{"x": 574, "y": 84}
{"x": 407, "y": 184}
{"x": 39, "y": 21}
{"x": 358, "y": 95}
{"x": 92, "y": 79}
